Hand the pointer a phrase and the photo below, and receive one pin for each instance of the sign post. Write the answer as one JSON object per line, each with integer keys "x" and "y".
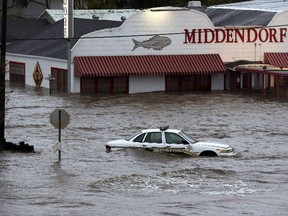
{"x": 59, "y": 136}
{"x": 59, "y": 118}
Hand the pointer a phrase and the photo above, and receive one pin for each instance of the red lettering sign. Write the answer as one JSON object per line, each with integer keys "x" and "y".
{"x": 207, "y": 33}
{"x": 283, "y": 32}
{"x": 248, "y": 35}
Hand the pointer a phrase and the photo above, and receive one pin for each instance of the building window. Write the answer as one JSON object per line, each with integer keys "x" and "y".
{"x": 172, "y": 83}
{"x": 104, "y": 85}
{"x": 90, "y": 85}
{"x": 203, "y": 82}
{"x": 59, "y": 84}
{"x": 188, "y": 83}
{"x": 17, "y": 72}
{"x": 120, "y": 85}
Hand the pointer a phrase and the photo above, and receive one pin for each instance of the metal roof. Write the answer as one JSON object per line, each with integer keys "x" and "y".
{"x": 49, "y": 40}
{"x": 263, "y": 69}
{"x": 23, "y": 28}
{"x": 232, "y": 17}
{"x": 256, "y": 5}
{"x": 274, "y": 64}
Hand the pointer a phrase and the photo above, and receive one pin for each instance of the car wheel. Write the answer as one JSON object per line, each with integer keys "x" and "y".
{"x": 208, "y": 154}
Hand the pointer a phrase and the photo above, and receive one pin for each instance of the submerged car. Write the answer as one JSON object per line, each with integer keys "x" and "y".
{"x": 172, "y": 141}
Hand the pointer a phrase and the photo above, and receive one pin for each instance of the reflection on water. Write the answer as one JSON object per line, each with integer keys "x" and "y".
{"x": 89, "y": 181}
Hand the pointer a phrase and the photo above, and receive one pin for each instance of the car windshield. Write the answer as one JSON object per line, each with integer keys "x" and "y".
{"x": 187, "y": 137}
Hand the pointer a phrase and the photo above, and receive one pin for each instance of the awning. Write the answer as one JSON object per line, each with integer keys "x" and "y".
{"x": 262, "y": 69}
{"x": 276, "y": 59}
{"x": 99, "y": 66}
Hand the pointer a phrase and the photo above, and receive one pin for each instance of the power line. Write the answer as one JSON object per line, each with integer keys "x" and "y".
{"x": 142, "y": 35}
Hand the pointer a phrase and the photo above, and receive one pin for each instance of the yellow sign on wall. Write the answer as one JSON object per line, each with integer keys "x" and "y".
{"x": 38, "y": 75}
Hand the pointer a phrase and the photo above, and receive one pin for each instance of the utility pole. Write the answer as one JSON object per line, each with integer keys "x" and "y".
{"x": 22, "y": 147}
{"x": 68, "y": 6}
{"x": 2, "y": 73}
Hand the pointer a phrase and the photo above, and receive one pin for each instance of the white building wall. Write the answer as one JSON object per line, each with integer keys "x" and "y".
{"x": 139, "y": 84}
{"x": 143, "y": 25}
{"x": 76, "y": 87}
{"x": 30, "y": 63}
{"x": 280, "y": 20}
{"x": 217, "y": 82}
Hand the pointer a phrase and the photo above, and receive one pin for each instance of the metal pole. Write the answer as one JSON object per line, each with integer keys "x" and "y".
{"x": 59, "y": 138}
{"x": 68, "y": 34}
{"x": 69, "y": 65}
{"x": 2, "y": 73}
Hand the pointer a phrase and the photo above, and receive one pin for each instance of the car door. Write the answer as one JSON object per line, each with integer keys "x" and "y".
{"x": 174, "y": 140}
{"x": 153, "y": 140}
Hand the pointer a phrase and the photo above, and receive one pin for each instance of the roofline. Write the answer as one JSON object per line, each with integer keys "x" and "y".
{"x": 36, "y": 57}
{"x": 263, "y": 69}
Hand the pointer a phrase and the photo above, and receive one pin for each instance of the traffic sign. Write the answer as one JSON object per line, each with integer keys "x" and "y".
{"x": 59, "y": 118}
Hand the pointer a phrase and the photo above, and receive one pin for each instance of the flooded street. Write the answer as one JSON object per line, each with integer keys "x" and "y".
{"x": 89, "y": 181}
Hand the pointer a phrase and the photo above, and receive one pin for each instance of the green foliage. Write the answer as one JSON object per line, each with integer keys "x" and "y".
{"x": 139, "y": 4}
{"x": 107, "y": 4}
{"x": 217, "y": 2}
{"x": 21, "y": 3}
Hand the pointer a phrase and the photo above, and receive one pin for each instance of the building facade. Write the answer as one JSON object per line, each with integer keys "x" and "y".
{"x": 141, "y": 49}
{"x": 169, "y": 49}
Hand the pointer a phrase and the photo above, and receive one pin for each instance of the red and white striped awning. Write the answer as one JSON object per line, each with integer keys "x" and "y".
{"x": 276, "y": 59}
{"x": 101, "y": 66}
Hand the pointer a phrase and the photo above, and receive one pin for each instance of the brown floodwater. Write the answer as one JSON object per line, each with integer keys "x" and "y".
{"x": 89, "y": 181}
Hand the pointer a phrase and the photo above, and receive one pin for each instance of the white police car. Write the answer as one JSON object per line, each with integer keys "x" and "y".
{"x": 171, "y": 140}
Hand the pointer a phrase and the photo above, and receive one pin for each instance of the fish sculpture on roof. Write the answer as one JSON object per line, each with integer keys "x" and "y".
{"x": 157, "y": 42}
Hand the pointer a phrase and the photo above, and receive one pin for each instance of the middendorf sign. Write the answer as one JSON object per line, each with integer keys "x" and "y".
{"x": 234, "y": 35}
{"x": 68, "y": 18}
{"x": 59, "y": 118}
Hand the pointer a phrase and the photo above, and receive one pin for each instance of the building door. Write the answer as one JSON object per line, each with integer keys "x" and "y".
{"x": 59, "y": 80}
{"x": 17, "y": 73}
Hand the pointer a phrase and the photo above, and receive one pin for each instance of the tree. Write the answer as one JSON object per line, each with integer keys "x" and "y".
{"x": 24, "y": 3}
{"x": 139, "y": 4}
{"x": 21, "y": 3}
{"x": 107, "y": 4}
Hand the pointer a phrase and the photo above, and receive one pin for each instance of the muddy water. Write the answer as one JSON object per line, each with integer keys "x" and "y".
{"x": 89, "y": 181}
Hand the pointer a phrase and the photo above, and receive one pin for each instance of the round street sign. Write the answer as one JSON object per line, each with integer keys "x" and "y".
{"x": 59, "y": 118}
